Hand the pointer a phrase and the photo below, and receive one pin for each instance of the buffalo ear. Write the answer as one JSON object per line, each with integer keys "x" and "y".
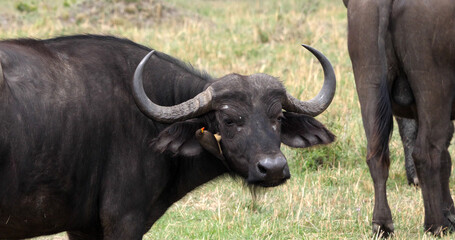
{"x": 301, "y": 131}
{"x": 179, "y": 139}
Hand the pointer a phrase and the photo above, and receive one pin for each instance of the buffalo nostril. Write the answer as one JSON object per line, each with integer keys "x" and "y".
{"x": 262, "y": 169}
{"x": 274, "y": 167}
{"x": 270, "y": 170}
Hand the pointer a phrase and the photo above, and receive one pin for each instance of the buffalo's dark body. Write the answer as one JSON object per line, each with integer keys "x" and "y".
{"x": 77, "y": 154}
{"x": 403, "y": 59}
{"x": 71, "y": 135}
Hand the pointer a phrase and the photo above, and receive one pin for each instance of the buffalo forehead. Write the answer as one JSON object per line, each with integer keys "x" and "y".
{"x": 251, "y": 88}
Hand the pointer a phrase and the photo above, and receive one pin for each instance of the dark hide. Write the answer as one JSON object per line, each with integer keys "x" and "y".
{"x": 402, "y": 54}
{"x": 77, "y": 155}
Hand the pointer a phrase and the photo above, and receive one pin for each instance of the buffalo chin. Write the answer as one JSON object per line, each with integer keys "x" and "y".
{"x": 267, "y": 184}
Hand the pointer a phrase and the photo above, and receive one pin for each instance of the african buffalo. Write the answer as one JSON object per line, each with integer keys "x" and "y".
{"x": 98, "y": 143}
{"x": 403, "y": 57}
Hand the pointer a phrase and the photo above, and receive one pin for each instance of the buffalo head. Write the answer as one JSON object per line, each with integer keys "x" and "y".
{"x": 252, "y": 114}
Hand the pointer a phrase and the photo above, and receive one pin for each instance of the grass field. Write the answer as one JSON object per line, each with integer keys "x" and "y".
{"x": 330, "y": 194}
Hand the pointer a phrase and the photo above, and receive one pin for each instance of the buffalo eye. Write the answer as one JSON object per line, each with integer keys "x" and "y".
{"x": 279, "y": 118}
{"x": 229, "y": 122}
{"x": 277, "y": 121}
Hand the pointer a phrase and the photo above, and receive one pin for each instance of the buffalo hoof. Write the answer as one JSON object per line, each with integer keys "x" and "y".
{"x": 438, "y": 231}
{"x": 383, "y": 230}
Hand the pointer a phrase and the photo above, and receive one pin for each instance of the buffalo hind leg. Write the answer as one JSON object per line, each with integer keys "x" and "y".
{"x": 368, "y": 47}
{"x": 378, "y": 159}
{"x": 431, "y": 160}
{"x": 446, "y": 168}
{"x": 377, "y": 125}
{"x": 382, "y": 217}
{"x": 408, "y": 133}
{"x": 431, "y": 157}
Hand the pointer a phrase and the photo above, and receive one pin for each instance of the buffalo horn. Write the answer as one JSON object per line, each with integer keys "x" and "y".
{"x": 196, "y": 106}
{"x": 318, "y": 104}
{"x": 2, "y": 78}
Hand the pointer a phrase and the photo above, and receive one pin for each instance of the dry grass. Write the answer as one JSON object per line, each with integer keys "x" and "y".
{"x": 330, "y": 195}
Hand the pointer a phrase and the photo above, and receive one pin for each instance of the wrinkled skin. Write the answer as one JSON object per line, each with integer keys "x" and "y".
{"x": 77, "y": 154}
{"x": 406, "y": 45}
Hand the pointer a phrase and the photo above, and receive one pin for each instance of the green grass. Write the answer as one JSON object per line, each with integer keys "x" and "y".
{"x": 330, "y": 194}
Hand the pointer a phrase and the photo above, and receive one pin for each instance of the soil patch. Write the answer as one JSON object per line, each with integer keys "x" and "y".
{"x": 139, "y": 13}
{"x": 126, "y": 13}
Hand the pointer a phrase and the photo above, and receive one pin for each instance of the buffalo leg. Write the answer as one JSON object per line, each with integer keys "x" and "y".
{"x": 123, "y": 205}
{"x": 408, "y": 133}
{"x": 377, "y": 159}
{"x": 128, "y": 227}
{"x": 121, "y": 221}
{"x": 432, "y": 159}
{"x": 430, "y": 154}
{"x": 367, "y": 44}
{"x": 382, "y": 216}
{"x": 446, "y": 168}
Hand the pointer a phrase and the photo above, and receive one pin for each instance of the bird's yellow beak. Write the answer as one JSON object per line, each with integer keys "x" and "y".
{"x": 217, "y": 137}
